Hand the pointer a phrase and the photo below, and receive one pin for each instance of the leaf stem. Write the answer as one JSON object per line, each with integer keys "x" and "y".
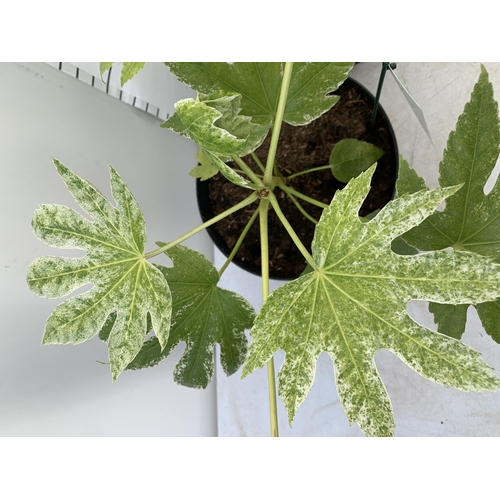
{"x": 312, "y": 201}
{"x": 247, "y": 201}
{"x": 301, "y": 209}
{"x": 250, "y": 173}
{"x": 280, "y": 112}
{"x": 264, "y": 248}
{"x": 316, "y": 169}
{"x": 259, "y": 163}
{"x": 291, "y": 232}
{"x": 239, "y": 242}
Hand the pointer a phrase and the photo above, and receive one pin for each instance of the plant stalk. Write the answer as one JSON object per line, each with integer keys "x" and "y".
{"x": 301, "y": 209}
{"x": 259, "y": 163}
{"x": 285, "y": 84}
{"x": 236, "y": 247}
{"x": 263, "y": 210}
{"x": 247, "y": 201}
{"x": 264, "y": 248}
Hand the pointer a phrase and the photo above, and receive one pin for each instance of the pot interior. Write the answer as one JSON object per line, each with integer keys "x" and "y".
{"x": 299, "y": 149}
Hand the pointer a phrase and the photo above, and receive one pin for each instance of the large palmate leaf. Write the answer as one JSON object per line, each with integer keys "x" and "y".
{"x": 354, "y": 303}
{"x": 124, "y": 283}
{"x": 259, "y": 85}
{"x": 202, "y": 315}
{"x": 471, "y": 219}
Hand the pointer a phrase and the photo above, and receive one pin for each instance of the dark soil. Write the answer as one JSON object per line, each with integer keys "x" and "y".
{"x": 299, "y": 149}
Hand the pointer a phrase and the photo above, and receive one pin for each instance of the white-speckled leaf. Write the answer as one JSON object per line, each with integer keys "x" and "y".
{"x": 123, "y": 281}
{"x": 228, "y": 172}
{"x": 354, "y": 303}
{"x": 471, "y": 219}
{"x": 215, "y": 124}
{"x": 202, "y": 315}
{"x": 259, "y": 85}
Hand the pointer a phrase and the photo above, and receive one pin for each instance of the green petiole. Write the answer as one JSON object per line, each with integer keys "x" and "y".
{"x": 250, "y": 173}
{"x": 236, "y": 247}
{"x": 290, "y": 190}
{"x": 259, "y": 163}
{"x": 247, "y": 201}
{"x": 290, "y": 231}
{"x": 301, "y": 209}
{"x": 315, "y": 169}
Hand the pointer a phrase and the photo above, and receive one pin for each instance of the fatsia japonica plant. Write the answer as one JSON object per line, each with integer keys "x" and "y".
{"x": 351, "y": 300}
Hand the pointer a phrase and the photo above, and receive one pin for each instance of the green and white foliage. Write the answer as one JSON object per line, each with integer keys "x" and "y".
{"x": 354, "y": 303}
{"x": 259, "y": 86}
{"x": 471, "y": 219}
{"x": 228, "y": 172}
{"x": 214, "y": 123}
{"x": 202, "y": 315}
{"x": 350, "y": 157}
{"x": 124, "y": 283}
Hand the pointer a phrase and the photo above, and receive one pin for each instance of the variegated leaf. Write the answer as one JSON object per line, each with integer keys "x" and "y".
{"x": 214, "y": 124}
{"x": 354, "y": 303}
{"x": 124, "y": 283}
{"x": 471, "y": 219}
{"x": 202, "y": 315}
{"x": 227, "y": 171}
{"x": 259, "y": 85}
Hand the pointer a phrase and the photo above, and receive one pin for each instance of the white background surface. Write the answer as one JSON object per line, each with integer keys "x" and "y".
{"x": 61, "y": 390}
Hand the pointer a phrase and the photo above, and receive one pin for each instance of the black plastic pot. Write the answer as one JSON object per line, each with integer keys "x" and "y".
{"x": 207, "y": 213}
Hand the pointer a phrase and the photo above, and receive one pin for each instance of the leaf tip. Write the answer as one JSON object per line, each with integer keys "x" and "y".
{"x": 245, "y": 372}
{"x": 451, "y": 190}
{"x": 112, "y": 171}
{"x": 46, "y": 340}
{"x": 115, "y": 373}
{"x": 59, "y": 166}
